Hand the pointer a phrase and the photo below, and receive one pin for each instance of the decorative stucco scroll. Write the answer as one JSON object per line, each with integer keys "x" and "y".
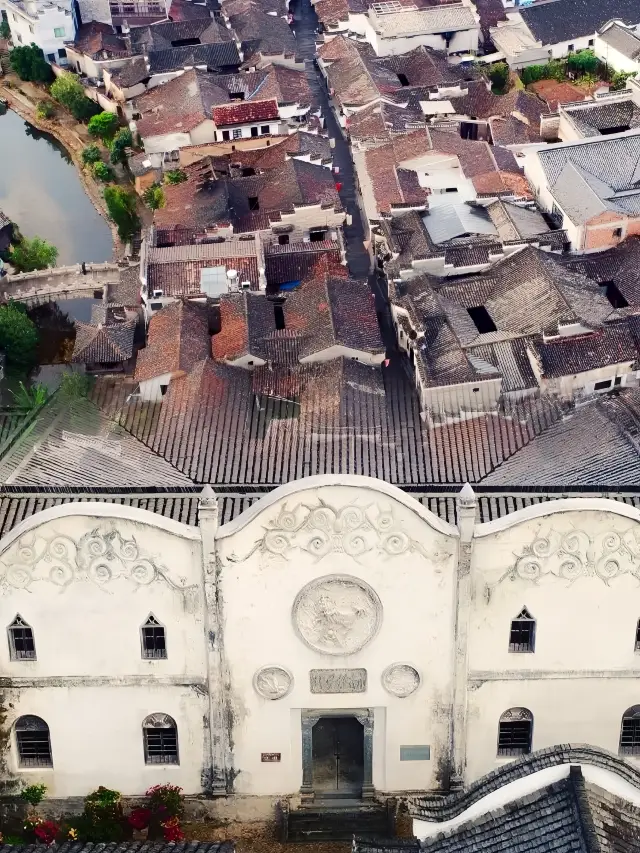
{"x": 337, "y": 614}
{"x": 324, "y": 530}
{"x": 99, "y": 557}
{"x": 575, "y": 554}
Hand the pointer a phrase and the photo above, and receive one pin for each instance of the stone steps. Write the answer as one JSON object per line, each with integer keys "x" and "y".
{"x": 336, "y": 823}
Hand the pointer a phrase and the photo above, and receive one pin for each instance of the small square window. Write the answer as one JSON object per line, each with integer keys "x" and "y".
{"x": 31, "y": 28}
{"x": 254, "y": 131}
{"x": 617, "y": 233}
{"x": 51, "y": 57}
{"x": 237, "y": 132}
{"x": 523, "y": 632}
{"x": 163, "y": 389}
{"x": 154, "y": 643}
{"x": 62, "y": 53}
{"x": 254, "y": 204}
{"x": 59, "y": 32}
{"x": 21, "y": 642}
{"x": 283, "y": 239}
{"x": 591, "y": 42}
{"x": 226, "y": 135}
{"x": 602, "y": 386}
{"x": 264, "y": 129}
{"x": 571, "y": 48}
{"x": 617, "y": 380}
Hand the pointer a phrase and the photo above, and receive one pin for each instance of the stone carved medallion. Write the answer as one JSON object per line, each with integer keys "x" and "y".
{"x": 272, "y": 682}
{"x": 337, "y": 614}
{"x": 400, "y": 680}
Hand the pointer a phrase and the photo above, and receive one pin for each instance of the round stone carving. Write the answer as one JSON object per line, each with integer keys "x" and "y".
{"x": 400, "y": 680}
{"x": 272, "y": 682}
{"x": 337, "y": 614}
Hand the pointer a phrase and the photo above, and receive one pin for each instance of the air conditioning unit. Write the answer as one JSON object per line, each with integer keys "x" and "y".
{"x": 245, "y": 285}
{"x": 158, "y": 294}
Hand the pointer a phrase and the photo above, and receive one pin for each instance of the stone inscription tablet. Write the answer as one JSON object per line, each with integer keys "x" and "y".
{"x": 338, "y": 680}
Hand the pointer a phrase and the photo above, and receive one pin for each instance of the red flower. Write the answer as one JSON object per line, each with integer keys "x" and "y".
{"x": 172, "y": 831}
{"x": 47, "y": 831}
{"x": 139, "y": 818}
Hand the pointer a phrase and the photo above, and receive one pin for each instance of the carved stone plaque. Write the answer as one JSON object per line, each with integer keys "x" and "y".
{"x": 337, "y": 614}
{"x": 400, "y": 680}
{"x": 272, "y": 682}
{"x": 338, "y": 680}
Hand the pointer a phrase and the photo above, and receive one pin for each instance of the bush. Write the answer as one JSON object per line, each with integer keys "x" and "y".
{"x": 121, "y": 141}
{"x": 153, "y": 197}
{"x": 122, "y": 209}
{"x": 103, "y": 125}
{"x": 166, "y": 801}
{"x": 45, "y": 109}
{"x": 18, "y": 335}
{"x": 175, "y": 176}
{"x": 102, "y": 819}
{"x": 619, "y": 79}
{"x": 91, "y": 154}
{"x": 47, "y": 832}
{"x": 29, "y": 399}
{"x": 103, "y": 172}
{"x": 36, "y": 254}
{"x": 29, "y": 64}
{"x": 67, "y": 91}
{"x": 5, "y": 30}
{"x": 33, "y": 794}
{"x": 75, "y": 386}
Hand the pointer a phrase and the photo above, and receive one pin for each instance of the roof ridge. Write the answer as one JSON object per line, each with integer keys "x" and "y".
{"x": 586, "y": 823}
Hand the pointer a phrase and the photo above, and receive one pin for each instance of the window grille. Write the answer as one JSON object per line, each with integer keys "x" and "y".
{"x": 522, "y": 636}
{"x": 154, "y": 642}
{"x": 630, "y": 732}
{"x": 515, "y": 732}
{"x": 21, "y": 642}
{"x": 160, "y": 739}
{"x": 34, "y": 743}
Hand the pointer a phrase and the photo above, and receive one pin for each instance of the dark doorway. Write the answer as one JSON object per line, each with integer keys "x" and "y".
{"x": 338, "y": 757}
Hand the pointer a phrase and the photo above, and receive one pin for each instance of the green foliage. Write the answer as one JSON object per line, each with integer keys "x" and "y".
{"x": 18, "y": 335}
{"x": 619, "y": 79}
{"x": 166, "y": 801}
{"x": 29, "y": 399}
{"x": 67, "y": 90}
{"x": 153, "y": 197}
{"x": 34, "y": 794}
{"x": 499, "y": 76}
{"x": 121, "y": 141}
{"x": 175, "y": 176}
{"x": 74, "y": 386}
{"x": 45, "y": 109}
{"x": 13, "y": 839}
{"x": 553, "y": 70}
{"x": 29, "y": 64}
{"x": 103, "y": 126}
{"x": 35, "y": 254}
{"x": 91, "y": 154}
{"x": 583, "y": 62}
{"x": 122, "y": 209}
{"x": 5, "y": 30}
{"x": 102, "y": 171}
{"x": 102, "y": 819}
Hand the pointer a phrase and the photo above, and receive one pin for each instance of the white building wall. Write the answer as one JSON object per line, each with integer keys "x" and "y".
{"x": 613, "y": 58}
{"x": 38, "y": 24}
{"x": 245, "y": 131}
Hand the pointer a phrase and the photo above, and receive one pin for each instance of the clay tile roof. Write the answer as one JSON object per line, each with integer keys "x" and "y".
{"x": 244, "y": 112}
{"x": 292, "y": 262}
{"x": 178, "y": 338}
{"x": 99, "y": 41}
{"x": 101, "y": 344}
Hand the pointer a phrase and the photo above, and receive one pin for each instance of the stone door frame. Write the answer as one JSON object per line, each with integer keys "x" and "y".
{"x": 309, "y": 717}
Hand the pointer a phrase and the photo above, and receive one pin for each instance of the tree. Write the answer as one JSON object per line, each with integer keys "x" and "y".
{"x": 36, "y": 254}
{"x": 91, "y": 154}
{"x": 619, "y": 80}
{"x": 153, "y": 197}
{"x": 122, "y": 209}
{"x": 18, "y": 335}
{"x": 175, "y": 176}
{"x": 121, "y": 141}
{"x": 583, "y": 62}
{"x": 29, "y": 64}
{"x": 103, "y": 126}
{"x": 29, "y": 399}
{"x": 499, "y": 76}
{"x": 5, "y": 30}
{"x": 102, "y": 171}
{"x": 67, "y": 91}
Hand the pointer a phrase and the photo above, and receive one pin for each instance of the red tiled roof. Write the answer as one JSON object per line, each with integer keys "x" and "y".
{"x": 245, "y": 111}
{"x": 178, "y": 338}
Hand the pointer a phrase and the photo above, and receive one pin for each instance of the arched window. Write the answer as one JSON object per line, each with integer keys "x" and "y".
{"x": 515, "y": 732}
{"x": 21, "y": 642}
{"x": 160, "y": 739}
{"x": 33, "y": 741}
{"x": 522, "y": 637}
{"x": 630, "y": 732}
{"x": 154, "y": 641}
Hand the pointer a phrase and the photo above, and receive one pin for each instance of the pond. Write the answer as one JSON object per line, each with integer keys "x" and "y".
{"x": 40, "y": 190}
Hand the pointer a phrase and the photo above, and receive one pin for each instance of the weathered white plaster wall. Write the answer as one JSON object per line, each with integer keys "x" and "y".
{"x": 327, "y": 530}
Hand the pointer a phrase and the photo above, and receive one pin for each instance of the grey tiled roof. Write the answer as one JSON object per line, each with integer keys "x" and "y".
{"x": 214, "y": 56}
{"x": 564, "y": 20}
{"x": 602, "y": 118}
{"x": 623, "y": 40}
{"x": 612, "y": 344}
{"x": 98, "y": 344}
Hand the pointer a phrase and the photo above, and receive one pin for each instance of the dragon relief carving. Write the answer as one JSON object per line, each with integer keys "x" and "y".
{"x": 575, "y": 554}
{"x": 324, "y": 530}
{"x": 100, "y": 556}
